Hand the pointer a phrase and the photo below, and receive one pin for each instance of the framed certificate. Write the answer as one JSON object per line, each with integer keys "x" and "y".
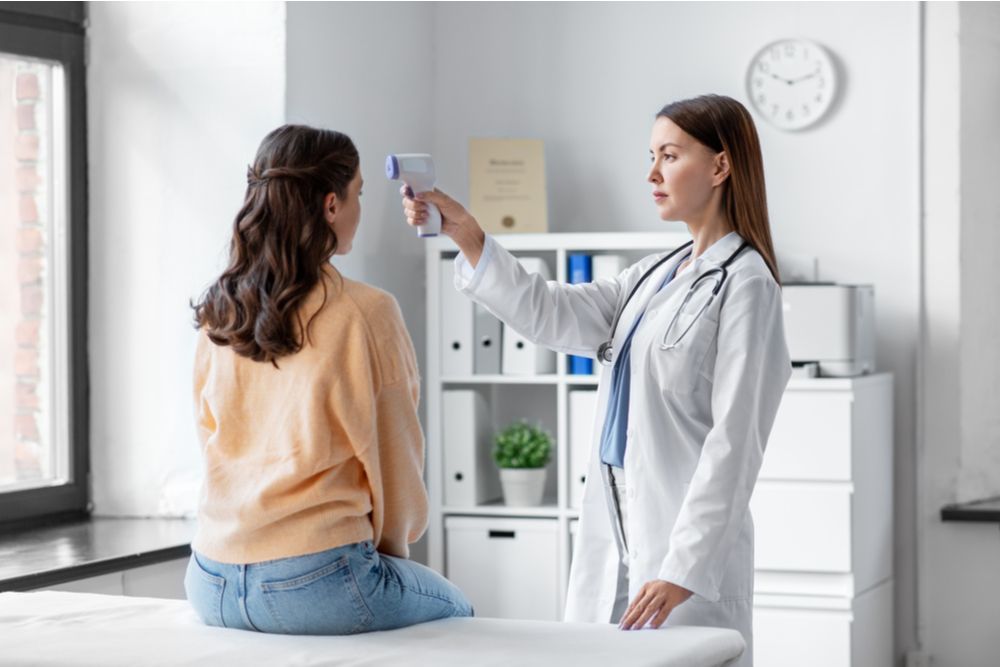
{"x": 507, "y": 185}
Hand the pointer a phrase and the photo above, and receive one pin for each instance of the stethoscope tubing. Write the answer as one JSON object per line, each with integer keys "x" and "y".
{"x": 605, "y": 351}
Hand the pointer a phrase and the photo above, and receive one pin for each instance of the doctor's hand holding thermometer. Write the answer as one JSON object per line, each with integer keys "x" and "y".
{"x": 416, "y": 170}
{"x": 694, "y": 366}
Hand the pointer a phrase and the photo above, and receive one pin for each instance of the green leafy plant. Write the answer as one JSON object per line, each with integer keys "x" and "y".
{"x": 521, "y": 445}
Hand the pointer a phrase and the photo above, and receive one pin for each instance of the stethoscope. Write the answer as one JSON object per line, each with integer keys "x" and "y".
{"x": 605, "y": 352}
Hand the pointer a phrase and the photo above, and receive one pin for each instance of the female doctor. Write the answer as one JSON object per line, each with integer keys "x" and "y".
{"x": 695, "y": 366}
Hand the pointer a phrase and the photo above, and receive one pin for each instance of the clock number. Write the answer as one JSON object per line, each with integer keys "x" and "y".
{"x": 822, "y": 82}
{"x": 805, "y": 110}
{"x": 762, "y": 98}
{"x": 819, "y": 97}
{"x": 758, "y": 81}
{"x": 764, "y": 67}
{"x": 790, "y": 50}
{"x": 789, "y": 115}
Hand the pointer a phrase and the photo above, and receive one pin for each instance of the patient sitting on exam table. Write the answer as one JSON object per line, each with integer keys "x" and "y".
{"x": 306, "y": 391}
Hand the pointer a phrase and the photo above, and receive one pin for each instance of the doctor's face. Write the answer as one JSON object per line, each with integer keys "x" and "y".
{"x": 682, "y": 173}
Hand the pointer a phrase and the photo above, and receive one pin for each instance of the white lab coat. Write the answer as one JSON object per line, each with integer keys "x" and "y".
{"x": 699, "y": 418}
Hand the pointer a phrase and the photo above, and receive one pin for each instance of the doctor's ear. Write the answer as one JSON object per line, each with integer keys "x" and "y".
{"x": 331, "y": 205}
{"x": 721, "y": 172}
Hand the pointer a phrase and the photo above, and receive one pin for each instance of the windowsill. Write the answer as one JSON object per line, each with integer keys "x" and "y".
{"x": 33, "y": 558}
{"x": 985, "y": 511}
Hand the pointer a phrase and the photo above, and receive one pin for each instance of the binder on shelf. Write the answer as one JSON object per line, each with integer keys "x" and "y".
{"x": 470, "y": 476}
{"x": 582, "y": 407}
{"x": 607, "y": 266}
{"x": 520, "y": 356}
{"x": 456, "y": 325}
{"x": 579, "y": 271}
{"x": 487, "y": 332}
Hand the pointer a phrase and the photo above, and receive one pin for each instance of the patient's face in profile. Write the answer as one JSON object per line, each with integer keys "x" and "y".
{"x": 348, "y": 214}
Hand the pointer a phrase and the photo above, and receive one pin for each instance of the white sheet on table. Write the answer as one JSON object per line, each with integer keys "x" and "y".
{"x": 77, "y": 629}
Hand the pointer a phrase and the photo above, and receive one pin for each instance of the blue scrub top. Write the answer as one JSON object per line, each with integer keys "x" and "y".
{"x": 616, "y": 419}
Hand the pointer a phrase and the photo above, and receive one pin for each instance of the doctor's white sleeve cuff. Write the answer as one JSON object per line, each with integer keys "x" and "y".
{"x": 468, "y": 278}
{"x": 703, "y": 589}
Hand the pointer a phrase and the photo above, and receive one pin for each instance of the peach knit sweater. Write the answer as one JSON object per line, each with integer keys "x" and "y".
{"x": 324, "y": 450}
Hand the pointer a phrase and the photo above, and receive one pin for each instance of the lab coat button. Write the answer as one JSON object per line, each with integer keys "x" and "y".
{"x": 634, "y": 554}
{"x": 652, "y": 313}
{"x": 631, "y": 493}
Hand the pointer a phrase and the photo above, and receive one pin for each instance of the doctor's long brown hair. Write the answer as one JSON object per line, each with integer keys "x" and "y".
{"x": 723, "y": 124}
{"x": 281, "y": 239}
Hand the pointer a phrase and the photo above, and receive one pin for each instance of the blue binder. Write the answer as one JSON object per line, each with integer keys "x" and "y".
{"x": 580, "y": 271}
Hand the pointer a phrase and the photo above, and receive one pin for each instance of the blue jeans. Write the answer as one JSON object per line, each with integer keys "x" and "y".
{"x": 340, "y": 591}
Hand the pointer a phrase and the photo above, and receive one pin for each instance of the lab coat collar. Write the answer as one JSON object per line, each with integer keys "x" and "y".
{"x": 720, "y": 251}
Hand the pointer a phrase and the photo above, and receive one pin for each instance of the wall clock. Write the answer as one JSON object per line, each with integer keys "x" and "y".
{"x": 792, "y": 83}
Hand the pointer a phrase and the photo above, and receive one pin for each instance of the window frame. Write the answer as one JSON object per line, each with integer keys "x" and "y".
{"x": 57, "y": 33}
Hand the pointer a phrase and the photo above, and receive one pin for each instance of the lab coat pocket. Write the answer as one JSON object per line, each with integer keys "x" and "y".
{"x": 679, "y": 353}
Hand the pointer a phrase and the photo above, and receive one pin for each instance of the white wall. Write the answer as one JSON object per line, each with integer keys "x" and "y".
{"x": 179, "y": 96}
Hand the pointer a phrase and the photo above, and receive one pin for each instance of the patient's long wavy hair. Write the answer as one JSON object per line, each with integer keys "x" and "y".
{"x": 723, "y": 124}
{"x": 281, "y": 239}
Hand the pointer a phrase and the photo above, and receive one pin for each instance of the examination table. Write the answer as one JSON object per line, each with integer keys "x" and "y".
{"x": 71, "y": 629}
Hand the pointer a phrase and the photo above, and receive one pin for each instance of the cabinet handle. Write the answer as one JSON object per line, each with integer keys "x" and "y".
{"x": 508, "y": 534}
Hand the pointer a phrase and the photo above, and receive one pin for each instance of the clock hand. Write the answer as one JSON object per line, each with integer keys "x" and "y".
{"x": 803, "y": 78}
{"x": 779, "y": 78}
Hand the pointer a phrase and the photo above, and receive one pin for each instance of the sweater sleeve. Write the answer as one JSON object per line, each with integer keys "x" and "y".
{"x": 395, "y": 460}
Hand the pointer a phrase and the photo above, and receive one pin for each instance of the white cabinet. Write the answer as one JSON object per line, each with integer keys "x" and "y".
{"x": 822, "y": 512}
{"x": 507, "y": 567}
{"x": 513, "y": 562}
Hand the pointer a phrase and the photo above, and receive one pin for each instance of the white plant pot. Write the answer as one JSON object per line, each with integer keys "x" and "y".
{"x": 522, "y": 487}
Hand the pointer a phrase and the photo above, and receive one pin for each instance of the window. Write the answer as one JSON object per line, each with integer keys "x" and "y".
{"x": 43, "y": 373}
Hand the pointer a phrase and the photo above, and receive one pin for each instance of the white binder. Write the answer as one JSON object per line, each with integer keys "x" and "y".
{"x": 456, "y": 325}
{"x": 521, "y": 357}
{"x": 582, "y": 409}
{"x": 607, "y": 266}
{"x": 470, "y": 476}
{"x": 488, "y": 341}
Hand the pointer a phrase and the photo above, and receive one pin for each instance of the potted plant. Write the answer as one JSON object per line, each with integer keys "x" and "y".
{"x": 522, "y": 451}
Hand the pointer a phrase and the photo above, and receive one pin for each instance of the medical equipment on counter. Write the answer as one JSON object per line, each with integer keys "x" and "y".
{"x": 832, "y": 326}
{"x": 718, "y": 274}
{"x": 416, "y": 170}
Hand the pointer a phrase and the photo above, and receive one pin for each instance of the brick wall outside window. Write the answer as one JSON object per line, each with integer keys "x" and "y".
{"x": 23, "y": 213}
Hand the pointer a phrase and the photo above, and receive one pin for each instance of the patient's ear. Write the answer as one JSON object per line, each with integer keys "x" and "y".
{"x": 331, "y": 207}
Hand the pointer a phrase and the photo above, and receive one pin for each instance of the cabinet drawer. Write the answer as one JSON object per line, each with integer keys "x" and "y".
{"x": 802, "y": 527}
{"x": 811, "y": 438}
{"x": 508, "y": 568}
{"x": 796, "y": 637}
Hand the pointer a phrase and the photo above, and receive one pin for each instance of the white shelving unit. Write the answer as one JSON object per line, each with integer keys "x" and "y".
{"x": 551, "y": 390}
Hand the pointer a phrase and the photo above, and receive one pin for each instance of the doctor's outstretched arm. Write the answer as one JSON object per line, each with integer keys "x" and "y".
{"x": 575, "y": 319}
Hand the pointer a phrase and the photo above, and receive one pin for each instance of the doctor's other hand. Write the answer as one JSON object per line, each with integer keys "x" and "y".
{"x": 456, "y": 222}
{"x": 655, "y": 601}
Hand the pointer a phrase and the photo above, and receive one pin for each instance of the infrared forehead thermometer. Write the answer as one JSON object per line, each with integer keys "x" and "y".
{"x": 417, "y": 171}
